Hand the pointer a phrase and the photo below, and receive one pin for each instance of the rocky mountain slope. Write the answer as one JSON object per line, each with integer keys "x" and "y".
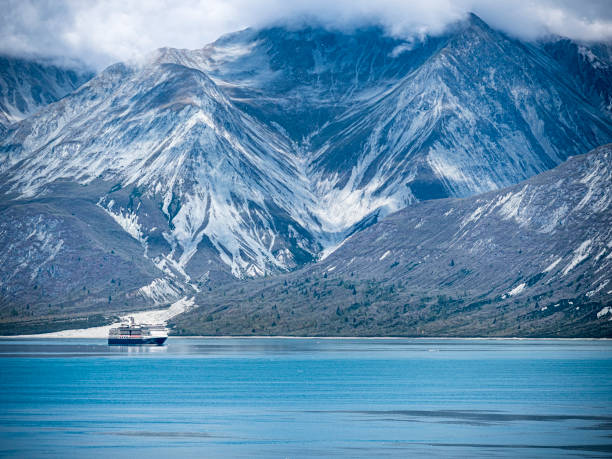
{"x": 534, "y": 259}
{"x": 184, "y": 168}
{"x": 591, "y": 66}
{"x": 265, "y": 150}
{"x": 27, "y": 85}
{"x": 383, "y": 123}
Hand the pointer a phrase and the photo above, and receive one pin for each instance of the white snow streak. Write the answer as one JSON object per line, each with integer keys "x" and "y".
{"x": 580, "y": 254}
{"x": 159, "y": 291}
{"x": 552, "y": 265}
{"x": 516, "y": 290}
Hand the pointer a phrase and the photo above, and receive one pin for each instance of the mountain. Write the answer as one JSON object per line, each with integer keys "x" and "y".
{"x": 158, "y": 154}
{"x": 61, "y": 257}
{"x": 590, "y": 64}
{"x": 533, "y": 259}
{"x": 26, "y": 85}
{"x": 181, "y": 163}
{"x": 262, "y": 152}
{"x": 384, "y": 122}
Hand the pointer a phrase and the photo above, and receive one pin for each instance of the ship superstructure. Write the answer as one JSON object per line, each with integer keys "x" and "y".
{"x": 131, "y": 333}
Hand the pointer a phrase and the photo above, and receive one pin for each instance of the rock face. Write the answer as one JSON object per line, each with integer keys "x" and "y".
{"x": 384, "y": 123}
{"x": 26, "y": 86}
{"x": 534, "y": 259}
{"x": 590, "y": 65}
{"x": 184, "y": 167}
{"x": 265, "y": 150}
{"x": 61, "y": 255}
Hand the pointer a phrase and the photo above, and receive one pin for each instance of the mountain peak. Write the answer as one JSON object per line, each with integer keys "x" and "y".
{"x": 476, "y": 21}
{"x": 473, "y": 26}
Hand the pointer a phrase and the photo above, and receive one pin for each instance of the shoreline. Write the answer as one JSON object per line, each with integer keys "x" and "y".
{"x": 464, "y": 338}
{"x": 504, "y": 338}
{"x": 144, "y": 316}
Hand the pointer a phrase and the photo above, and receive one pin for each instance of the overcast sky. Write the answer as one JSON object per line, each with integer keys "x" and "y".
{"x": 105, "y": 31}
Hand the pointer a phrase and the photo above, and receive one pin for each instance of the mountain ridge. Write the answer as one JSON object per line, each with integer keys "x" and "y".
{"x": 513, "y": 262}
{"x": 189, "y": 154}
{"x": 27, "y": 85}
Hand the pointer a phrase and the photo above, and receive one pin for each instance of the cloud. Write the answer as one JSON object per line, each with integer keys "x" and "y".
{"x": 102, "y": 32}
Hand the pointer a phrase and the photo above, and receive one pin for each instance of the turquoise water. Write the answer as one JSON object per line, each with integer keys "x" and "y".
{"x": 306, "y": 398}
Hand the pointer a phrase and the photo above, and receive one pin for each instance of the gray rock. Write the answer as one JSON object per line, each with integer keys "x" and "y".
{"x": 262, "y": 152}
{"x": 533, "y": 259}
{"x": 27, "y": 85}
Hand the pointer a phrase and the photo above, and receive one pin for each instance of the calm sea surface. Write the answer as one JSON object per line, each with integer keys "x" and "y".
{"x": 306, "y": 398}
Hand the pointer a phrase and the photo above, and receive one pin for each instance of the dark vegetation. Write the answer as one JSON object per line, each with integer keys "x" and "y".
{"x": 52, "y": 324}
{"x": 335, "y": 306}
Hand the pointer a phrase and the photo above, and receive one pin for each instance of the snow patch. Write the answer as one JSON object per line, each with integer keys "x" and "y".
{"x": 512, "y": 205}
{"x": 52, "y": 248}
{"x": 516, "y": 290}
{"x": 474, "y": 216}
{"x": 160, "y": 291}
{"x": 605, "y": 311}
{"x": 580, "y": 254}
{"x": 598, "y": 289}
{"x": 128, "y": 221}
{"x": 154, "y": 316}
{"x": 553, "y": 264}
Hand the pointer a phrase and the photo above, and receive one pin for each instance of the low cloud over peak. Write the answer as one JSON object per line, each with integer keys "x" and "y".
{"x": 106, "y": 31}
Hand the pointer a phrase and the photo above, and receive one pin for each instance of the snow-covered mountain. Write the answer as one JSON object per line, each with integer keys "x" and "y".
{"x": 204, "y": 173}
{"x": 264, "y": 150}
{"x": 26, "y": 85}
{"x": 590, "y": 64}
{"x": 383, "y": 122}
{"x": 533, "y": 259}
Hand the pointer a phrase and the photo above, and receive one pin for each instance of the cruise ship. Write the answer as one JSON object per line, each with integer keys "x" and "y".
{"x": 130, "y": 333}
